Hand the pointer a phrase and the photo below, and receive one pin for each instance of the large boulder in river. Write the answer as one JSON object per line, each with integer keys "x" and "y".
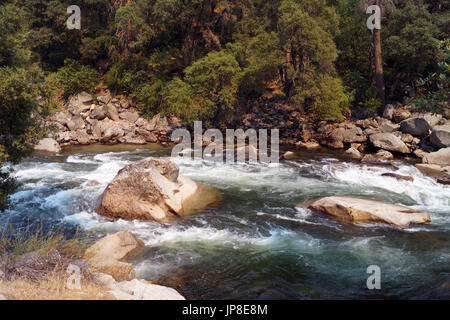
{"x": 440, "y": 136}
{"x": 388, "y": 141}
{"x": 441, "y": 157}
{"x": 48, "y": 145}
{"x": 152, "y": 189}
{"x": 364, "y": 210}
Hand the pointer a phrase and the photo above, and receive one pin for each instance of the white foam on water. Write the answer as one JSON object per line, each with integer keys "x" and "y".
{"x": 274, "y": 177}
{"x": 423, "y": 190}
{"x": 188, "y": 237}
{"x": 44, "y": 171}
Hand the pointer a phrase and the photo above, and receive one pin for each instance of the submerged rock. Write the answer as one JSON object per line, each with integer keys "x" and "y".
{"x": 152, "y": 189}
{"x": 397, "y": 176}
{"x": 364, "y": 210}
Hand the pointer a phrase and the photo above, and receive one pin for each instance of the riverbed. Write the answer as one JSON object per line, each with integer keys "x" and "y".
{"x": 255, "y": 243}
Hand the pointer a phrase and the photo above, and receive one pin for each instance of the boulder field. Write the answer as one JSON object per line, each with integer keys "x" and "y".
{"x": 152, "y": 189}
{"x": 364, "y": 210}
{"x": 83, "y": 121}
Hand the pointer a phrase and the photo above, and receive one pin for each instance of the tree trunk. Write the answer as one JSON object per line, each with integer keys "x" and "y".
{"x": 187, "y": 48}
{"x": 379, "y": 78}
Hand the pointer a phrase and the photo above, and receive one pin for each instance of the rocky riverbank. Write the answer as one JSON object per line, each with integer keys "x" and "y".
{"x": 402, "y": 131}
{"x": 85, "y": 120}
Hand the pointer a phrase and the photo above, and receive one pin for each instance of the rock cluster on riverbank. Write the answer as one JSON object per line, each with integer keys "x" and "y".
{"x": 401, "y": 131}
{"x": 109, "y": 121}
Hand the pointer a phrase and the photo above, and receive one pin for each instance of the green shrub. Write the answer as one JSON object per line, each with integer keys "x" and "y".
{"x": 209, "y": 90}
{"x": 150, "y": 97}
{"x": 434, "y": 90}
{"x": 324, "y": 97}
{"x": 125, "y": 76}
{"x": 74, "y": 77}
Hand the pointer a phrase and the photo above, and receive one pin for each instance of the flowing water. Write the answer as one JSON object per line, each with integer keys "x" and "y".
{"x": 255, "y": 243}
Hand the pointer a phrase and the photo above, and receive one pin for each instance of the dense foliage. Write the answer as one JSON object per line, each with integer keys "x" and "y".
{"x": 201, "y": 59}
{"x": 19, "y": 89}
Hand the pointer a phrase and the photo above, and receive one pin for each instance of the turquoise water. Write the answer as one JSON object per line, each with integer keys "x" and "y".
{"x": 255, "y": 244}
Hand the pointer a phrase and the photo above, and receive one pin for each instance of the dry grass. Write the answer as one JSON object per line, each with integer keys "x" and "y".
{"x": 53, "y": 287}
{"x": 33, "y": 266}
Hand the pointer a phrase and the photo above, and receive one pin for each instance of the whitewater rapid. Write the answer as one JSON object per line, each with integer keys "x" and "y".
{"x": 255, "y": 243}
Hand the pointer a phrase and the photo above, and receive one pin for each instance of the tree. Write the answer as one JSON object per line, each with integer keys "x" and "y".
{"x": 384, "y": 5}
{"x": 209, "y": 90}
{"x": 306, "y": 36}
{"x": 434, "y": 90}
{"x": 410, "y": 40}
{"x": 355, "y": 59}
{"x": 18, "y": 92}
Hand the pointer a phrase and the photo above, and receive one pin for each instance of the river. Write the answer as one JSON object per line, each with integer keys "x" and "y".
{"x": 255, "y": 244}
